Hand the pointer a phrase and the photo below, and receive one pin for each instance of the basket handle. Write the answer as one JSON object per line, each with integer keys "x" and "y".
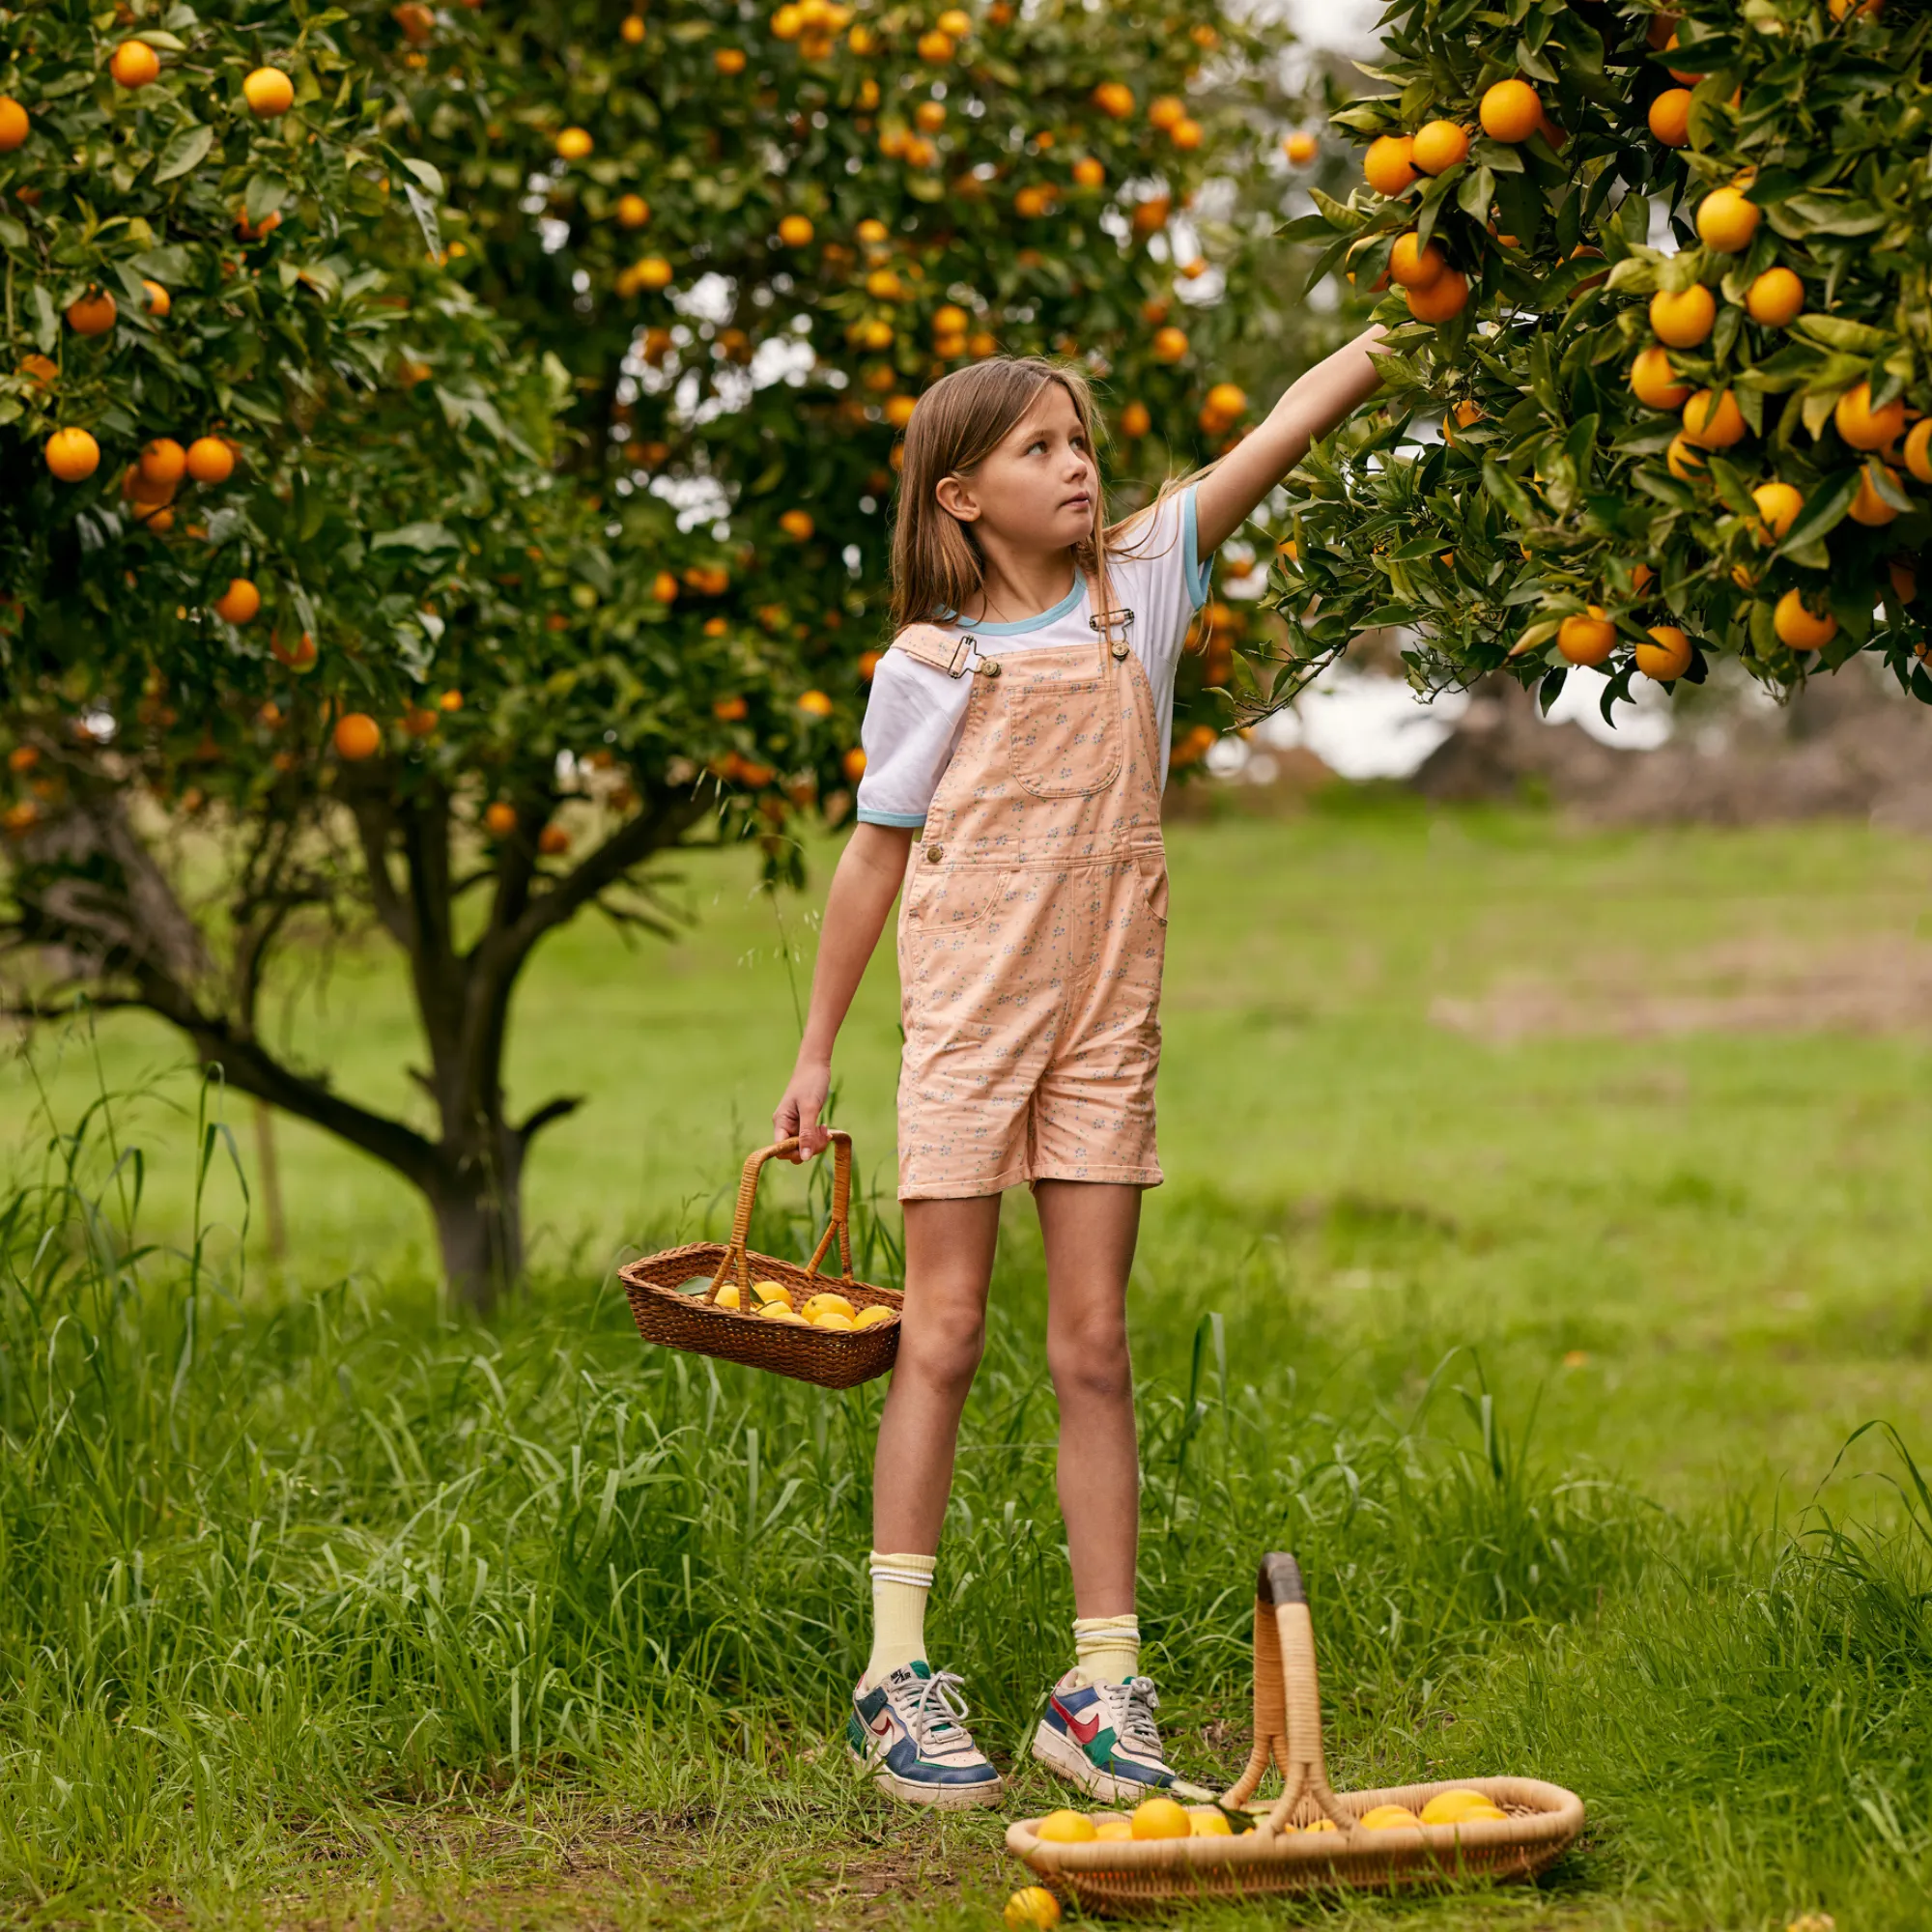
{"x": 748, "y": 1194}
{"x": 1287, "y": 1700}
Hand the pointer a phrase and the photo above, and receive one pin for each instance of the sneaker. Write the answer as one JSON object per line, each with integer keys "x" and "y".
{"x": 1102, "y": 1737}
{"x": 910, "y": 1731}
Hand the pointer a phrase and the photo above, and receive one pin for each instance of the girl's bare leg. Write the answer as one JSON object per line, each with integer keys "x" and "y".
{"x": 949, "y": 1258}
{"x": 1091, "y": 1228}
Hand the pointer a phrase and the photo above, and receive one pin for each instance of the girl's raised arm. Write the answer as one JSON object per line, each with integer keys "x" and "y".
{"x": 1228, "y": 490}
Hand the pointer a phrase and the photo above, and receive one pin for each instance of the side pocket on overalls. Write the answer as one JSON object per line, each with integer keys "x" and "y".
{"x": 1153, "y": 883}
{"x": 952, "y": 900}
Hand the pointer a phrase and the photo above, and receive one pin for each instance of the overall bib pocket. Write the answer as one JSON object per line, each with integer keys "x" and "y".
{"x": 951, "y": 901}
{"x": 1063, "y": 737}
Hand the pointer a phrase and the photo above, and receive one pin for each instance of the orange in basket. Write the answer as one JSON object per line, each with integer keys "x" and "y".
{"x": 833, "y": 1358}
{"x": 1311, "y": 1836}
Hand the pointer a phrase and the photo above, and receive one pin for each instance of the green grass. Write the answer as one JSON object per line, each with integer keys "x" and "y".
{"x": 1537, "y": 1344}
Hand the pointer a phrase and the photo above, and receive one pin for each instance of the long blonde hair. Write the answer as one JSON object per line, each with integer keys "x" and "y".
{"x": 937, "y": 565}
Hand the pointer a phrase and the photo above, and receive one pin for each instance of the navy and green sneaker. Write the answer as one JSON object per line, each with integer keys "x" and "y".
{"x": 1102, "y": 1737}
{"x": 910, "y": 1732}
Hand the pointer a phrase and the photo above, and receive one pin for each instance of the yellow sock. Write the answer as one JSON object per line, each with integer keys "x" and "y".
{"x": 1107, "y": 1650}
{"x": 900, "y": 1586}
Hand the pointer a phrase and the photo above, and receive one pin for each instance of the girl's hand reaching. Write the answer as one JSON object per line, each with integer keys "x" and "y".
{"x": 798, "y": 1112}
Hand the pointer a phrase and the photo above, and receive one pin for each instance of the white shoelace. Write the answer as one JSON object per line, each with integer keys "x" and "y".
{"x": 942, "y": 1729}
{"x": 1139, "y": 1700}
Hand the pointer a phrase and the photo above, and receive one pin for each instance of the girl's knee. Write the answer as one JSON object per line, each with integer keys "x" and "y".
{"x": 1091, "y": 1362}
{"x": 943, "y": 1349}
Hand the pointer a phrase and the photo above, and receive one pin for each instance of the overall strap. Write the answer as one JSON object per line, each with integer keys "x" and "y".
{"x": 928, "y": 645}
{"x": 1109, "y": 625}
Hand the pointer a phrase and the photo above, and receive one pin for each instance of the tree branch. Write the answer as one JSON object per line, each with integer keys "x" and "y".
{"x": 551, "y": 1110}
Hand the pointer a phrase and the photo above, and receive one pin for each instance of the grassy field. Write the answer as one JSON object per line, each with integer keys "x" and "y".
{"x": 1545, "y": 1213}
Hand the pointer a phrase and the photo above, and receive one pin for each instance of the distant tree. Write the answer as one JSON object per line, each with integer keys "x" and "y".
{"x": 493, "y": 497}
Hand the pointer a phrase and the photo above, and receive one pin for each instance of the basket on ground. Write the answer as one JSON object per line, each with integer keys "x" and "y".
{"x": 675, "y": 1294}
{"x": 1281, "y": 1854}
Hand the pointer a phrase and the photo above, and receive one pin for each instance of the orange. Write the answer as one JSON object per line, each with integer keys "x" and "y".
{"x": 794, "y": 231}
{"x": 358, "y": 736}
{"x": 1667, "y": 656}
{"x": 1677, "y": 72}
{"x": 853, "y": 764}
{"x": 1726, "y": 221}
{"x": 15, "y": 126}
{"x": 899, "y": 410}
{"x": 160, "y": 301}
{"x": 1135, "y": 419}
{"x": 1166, "y": 110}
{"x": 72, "y": 455}
{"x": 1032, "y": 1909}
{"x": 1169, "y": 344}
{"x": 1301, "y": 148}
{"x": 164, "y": 462}
{"x": 1161, "y": 1818}
{"x": 1864, "y": 427}
{"x": 1904, "y": 579}
{"x": 1868, "y": 507}
{"x": 134, "y": 63}
{"x": 633, "y": 211}
{"x": 1226, "y": 399}
{"x": 500, "y": 820}
{"x": 664, "y": 587}
{"x": 632, "y": 32}
{"x": 653, "y": 273}
{"x": 1654, "y": 381}
{"x": 814, "y": 704}
{"x": 956, "y": 22}
{"x": 1064, "y": 1827}
{"x": 1443, "y": 299}
{"x": 268, "y": 92}
{"x": 1799, "y": 627}
{"x": 936, "y": 46}
{"x": 1438, "y": 145}
{"x": 1713, "y": 419}
{"x": 1389, "y": 166}
{"x": 1089, "y": 172}
{"x": 1683, "y": 320}
{"x": 1774, "y": 298}
{"x": 1392, "y": 1817}
{"x": 1919, "y": 450}
{"x": 418, "y": 723}
{"x": 730, "y": 60}
{"x": 1186, "y": 135}
{"x": 299, "y": 657}
{"x": 94, "y": 314}
{"x": 450, "y": 701}
{"x": 1777, "y": 507}
{"x": 797, "y": 525}
{"x": 552, "y": 839}
{"x": 1115, "y": 98}
{"x": 1413, "y": 265}
{"x": 210, "y": 460}
{"x": 574, "y": 144}
{"x": 1511, "y": 111}
{"x": 1671, "y": 117}
{"x": 1685, "y": 458}
{"x": 931, "y": 115}
{"x": 40, "y": 368}
{"x": 239, "y": 603}
{"x": 1587, "y": 640}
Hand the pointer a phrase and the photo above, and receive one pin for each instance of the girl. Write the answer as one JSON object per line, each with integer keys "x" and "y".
{"x": 1016, "y": 745}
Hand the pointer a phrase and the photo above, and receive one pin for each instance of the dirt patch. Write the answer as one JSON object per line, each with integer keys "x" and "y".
{"x": 1880, "y": 984}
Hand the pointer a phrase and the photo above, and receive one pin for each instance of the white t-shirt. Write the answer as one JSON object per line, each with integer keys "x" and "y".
{"x": 915, "y": 713}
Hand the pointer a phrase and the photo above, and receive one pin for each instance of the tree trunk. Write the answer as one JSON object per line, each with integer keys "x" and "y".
{"x": 479, "y": 1226}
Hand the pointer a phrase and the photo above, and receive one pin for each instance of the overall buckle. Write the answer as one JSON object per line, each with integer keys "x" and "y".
{"x": 1104, "y": 624}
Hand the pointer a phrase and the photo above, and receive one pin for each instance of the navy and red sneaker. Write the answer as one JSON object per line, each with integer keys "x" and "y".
{"x": 1102, "y": 1737}
{"x": 910, "y": 1732}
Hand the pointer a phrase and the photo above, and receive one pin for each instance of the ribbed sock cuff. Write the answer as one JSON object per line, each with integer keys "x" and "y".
{"x": 1107, "y": 1649}
{"x": 901, "y": 1582}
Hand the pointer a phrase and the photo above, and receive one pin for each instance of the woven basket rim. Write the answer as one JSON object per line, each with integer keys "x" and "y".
{"x": 1550, "y": 1825}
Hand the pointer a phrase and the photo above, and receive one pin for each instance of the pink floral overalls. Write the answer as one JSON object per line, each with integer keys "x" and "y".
{"x": 1032, "y": 928}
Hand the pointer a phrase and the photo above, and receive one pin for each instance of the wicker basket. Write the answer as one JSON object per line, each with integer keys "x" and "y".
{"x": 1125, "y": 1876}
{"x": 833, "y": 1359}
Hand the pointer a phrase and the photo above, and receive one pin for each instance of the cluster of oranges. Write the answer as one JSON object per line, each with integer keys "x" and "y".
{"x": 773, "y": 1301}
{"x": 72, "y": 453}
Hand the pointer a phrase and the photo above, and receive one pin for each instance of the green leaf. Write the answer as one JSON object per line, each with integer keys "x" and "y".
{"x": 430, "y": 177}
{"x": 185, "y": 150}
{"x": 1821, "y": 516}
{"x": 1836, "y": 331}
{"x": 419, "y": 537}
{"x": 265, "y": 194}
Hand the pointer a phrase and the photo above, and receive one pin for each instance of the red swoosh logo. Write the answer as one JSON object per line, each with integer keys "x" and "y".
{"x": 1085, "y": 1729}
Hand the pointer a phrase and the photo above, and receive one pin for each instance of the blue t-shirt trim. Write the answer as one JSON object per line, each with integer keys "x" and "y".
{"x": 1190, "y": 538}
{"x": 1025, "y": 624}
{"x": 898, "y": 819}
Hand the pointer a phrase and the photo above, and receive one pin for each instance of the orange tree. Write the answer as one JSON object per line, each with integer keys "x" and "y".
{"x": 1661, "y": 277}
{"x": 447, "y": 456}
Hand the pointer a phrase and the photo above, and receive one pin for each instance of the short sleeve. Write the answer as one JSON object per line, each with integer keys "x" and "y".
{"x": 911, "y": 725}
{"x": 1158, "y": 574}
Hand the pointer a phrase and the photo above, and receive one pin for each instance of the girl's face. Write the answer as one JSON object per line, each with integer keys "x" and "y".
{"x": 1035, "y": 491}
